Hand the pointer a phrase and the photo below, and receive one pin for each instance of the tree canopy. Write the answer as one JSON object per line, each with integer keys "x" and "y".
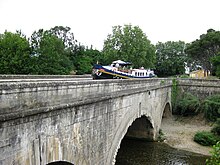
{"x": 204, "y": 49}
{"x": 129, "y": 43}
{"x": 216, "y": 64}
{"x": 170, "y": 58}
{"x": 56, "y": 51}
{"x": 49, "y": 54}
{"x": 53, "y": 51}
{"x": 14, "y": 53}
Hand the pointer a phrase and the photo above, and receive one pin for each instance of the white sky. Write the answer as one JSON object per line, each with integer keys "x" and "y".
{"x": 92, "y": 20}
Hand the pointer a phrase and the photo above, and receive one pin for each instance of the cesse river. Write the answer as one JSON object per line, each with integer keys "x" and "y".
{"x": 134, "y": 152}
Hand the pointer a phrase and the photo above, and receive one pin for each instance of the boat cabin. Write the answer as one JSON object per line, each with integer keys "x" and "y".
{"x": 141, "y": 72}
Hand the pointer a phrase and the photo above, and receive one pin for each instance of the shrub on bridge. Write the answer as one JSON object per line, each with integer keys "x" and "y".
{"x": 188, "y": 104}
{"x": 211, "y": 107}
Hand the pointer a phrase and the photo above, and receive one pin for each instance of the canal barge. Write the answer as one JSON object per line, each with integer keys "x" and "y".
{"x": 120, "y": 70}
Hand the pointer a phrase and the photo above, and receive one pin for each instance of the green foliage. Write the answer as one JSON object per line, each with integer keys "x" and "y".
{"x": 53, "y": 51}
{"x": 187, "y": 105}
{"x": 184, "y": 76}
{"x": 206, "y": 138}
{"x": 216, "y": 63}
{"x": 65, "y": 35}
{"x": 174, "y": 94}
{"x": 170, "y": 58}
{"x": 162, "y": 82}
{"x": 14, "y": 54}
{"x": 84, "y": 65}
{"x": 216, "y": 128}
{"x": 83, "y": 59}
{"x": 49, "y": 54}
{"x": 129, "y": 43}
{"x": 215, "y": 158}
{"x": 204, "y": 49}
{"x": 211, "y": 107}
{"x": 161, "y": 136}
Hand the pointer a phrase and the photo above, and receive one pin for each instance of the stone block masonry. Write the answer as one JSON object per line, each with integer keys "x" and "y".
{"x": 81, "y": 122}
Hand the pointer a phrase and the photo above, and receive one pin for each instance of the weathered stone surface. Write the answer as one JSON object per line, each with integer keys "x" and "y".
{"x": 80, "y": 122}
{"x": 200, "y": 87}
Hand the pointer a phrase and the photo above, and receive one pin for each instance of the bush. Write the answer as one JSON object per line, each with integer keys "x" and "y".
{"x": 184, "y": 76}
{"x": 161, "y": 136}
{"x": 215, "y": 158}
{"x": 211, "y": 107}
{"x": 216, "y": 128}
{"x": 206, "y": 138}
{"x": 188, "y": 105}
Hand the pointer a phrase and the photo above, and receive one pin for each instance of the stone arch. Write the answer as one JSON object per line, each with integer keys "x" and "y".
{"x": 167, "y": 111}
{"x": 132, "y": 123}
{"x": 60, "y": 163}
{"x": 141, "y": 128}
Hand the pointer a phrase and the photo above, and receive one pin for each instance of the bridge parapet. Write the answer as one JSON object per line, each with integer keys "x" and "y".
{"x": 19, "y": 99}
{"x": 200, "y": 87}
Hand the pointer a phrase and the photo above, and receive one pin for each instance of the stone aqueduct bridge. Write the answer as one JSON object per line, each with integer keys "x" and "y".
{"x": 81, "y": 122}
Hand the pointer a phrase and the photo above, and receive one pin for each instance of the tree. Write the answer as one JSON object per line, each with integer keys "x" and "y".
{"x": 14, "y": 53}
{"x": 205, "y": 48}
{"x": 170, "y": 58}
{"x": 85, "y": 58}
{"x": 130, "y": 44}
{"x": 216, "y": 64}
{"x": 49, "y": 53}
{"x": 66, "y": 36}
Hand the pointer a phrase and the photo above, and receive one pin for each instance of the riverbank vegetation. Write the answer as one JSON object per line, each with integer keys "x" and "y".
{"x": 200, "y": 113}
{"x": 186, "y": 104}
{"x": 215, "y": 158}
{"x": 211, "y": 109}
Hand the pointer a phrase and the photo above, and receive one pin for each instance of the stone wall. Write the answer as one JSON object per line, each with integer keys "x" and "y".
{"x": 25, "y": 77}
{"x": 200, "y": 87}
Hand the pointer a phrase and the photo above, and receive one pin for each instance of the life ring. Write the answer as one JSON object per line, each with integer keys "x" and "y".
{"x": 114, "y": 69}
{"x": 98, "y": 73}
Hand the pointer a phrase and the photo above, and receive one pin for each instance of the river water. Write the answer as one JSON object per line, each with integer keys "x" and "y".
{"x": 134, "y": 152}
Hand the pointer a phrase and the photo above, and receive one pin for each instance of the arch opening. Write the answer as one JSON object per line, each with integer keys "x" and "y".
{"x": 167, "y": 113}
{"x": 60, "y": 163}
{"x": 141, "y": 129}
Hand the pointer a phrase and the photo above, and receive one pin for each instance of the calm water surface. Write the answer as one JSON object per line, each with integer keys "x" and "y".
{"x": 133, "y": 152}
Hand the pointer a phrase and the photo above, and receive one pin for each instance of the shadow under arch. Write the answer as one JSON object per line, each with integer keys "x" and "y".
{"x": 60, "y": 163}
{"x": 131, "y": 127}
{"x": 167, "y": 112}
{"x": 141, "y": 129}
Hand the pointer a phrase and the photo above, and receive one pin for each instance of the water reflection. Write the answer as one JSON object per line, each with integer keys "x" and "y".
{"x": 133, "y": 152}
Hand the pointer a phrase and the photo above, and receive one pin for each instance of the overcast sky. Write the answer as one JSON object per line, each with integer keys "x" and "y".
{"x": 92, "y": 20}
